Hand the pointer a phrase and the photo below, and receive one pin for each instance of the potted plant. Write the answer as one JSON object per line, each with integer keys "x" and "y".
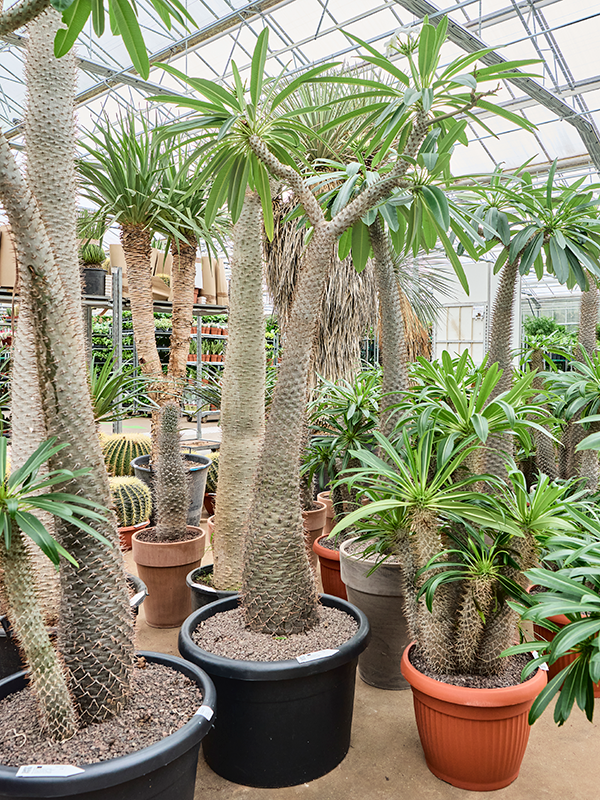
{"x": 120, "y": 449}
{"x": 132, "y": 501}
{"x": 166, "y": 553}
{"x": 92, "y": 256}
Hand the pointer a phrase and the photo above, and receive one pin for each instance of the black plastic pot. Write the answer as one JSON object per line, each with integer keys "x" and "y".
{"x": 198, "y": 473}
{"x": 202, "y": 594}
{"x": 281, "y": 723}
{"x": 94, "y": 281}
{"x": 163, "y": 771}
{"x": 10, "y": 655}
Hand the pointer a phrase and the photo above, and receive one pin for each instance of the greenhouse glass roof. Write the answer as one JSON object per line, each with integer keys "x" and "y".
{"x": 564, "y": 101}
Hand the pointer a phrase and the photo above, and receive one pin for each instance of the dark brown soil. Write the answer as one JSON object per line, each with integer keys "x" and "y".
{"x": 203, "y": 578}
{"x": 149, "y": 535}
{"x": 510, "y": 677}
{"x": 162, "y": 701}
{"x": 225, "y": 635}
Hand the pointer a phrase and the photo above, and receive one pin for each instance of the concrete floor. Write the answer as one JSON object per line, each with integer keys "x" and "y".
{"x": 385, "y": 761}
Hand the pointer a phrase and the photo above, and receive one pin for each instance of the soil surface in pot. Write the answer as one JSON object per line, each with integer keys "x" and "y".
{"x": 357, "y": 548}
{"x": 225, "y": 635}
{"x": 334, "y": 544}
{"x": 149, "y": 535}
{"x": 510, "y": 677}
{"x": 146, "y": 720}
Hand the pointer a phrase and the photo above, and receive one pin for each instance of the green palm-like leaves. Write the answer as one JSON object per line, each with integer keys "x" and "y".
{"x": 23, "y": 491}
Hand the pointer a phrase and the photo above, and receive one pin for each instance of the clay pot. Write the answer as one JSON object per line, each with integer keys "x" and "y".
{"x": 329, "y": 561}
{"x": 380, "y": 596}
{"x": 313, "y": 522}
{"x": 325, "y": 497}
{"x": 127, "y": 532}
{"x": 192, "y": 356}
{"x": 194, "y": 330}
{"x": 163, "y": 567}
{"x": 472, "y": 738}
{"x": 209, "y": 503}
{"x": 546, "y": 635}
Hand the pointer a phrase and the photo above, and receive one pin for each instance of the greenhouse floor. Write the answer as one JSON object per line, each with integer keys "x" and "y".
{"x": 385, "y": 761}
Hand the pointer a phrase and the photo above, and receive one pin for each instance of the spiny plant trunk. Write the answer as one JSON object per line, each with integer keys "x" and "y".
{"x": 47, "y": 674}
{"x": 96, "y": 632}
{"x": 586, "y": 461}
{"x": 476, "y": 604}
{"x": 278, "y": 588}
{"x": 242, "y": 397}
{"x": 28, "y": 431}
{"x": 170, "y": 480}
{"x": 435, "y": 626}
{"x": 545, "y": 457}
{"x": 183, "y": 275}
{"x": 393, "y": 344}
{"x": 499, "y": 353}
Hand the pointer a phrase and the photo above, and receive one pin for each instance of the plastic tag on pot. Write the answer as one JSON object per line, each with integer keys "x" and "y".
{"x": 206, "y": 712}
{"x": 137, "y": 598}
{"x": 545, "y": 667}
{"x": 48, "y": 771}
{"x": 315, "y": 656}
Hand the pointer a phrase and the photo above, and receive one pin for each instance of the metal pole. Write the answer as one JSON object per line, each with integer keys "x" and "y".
{"x": 198, "y": 372}
{"x": 117, "y": 333}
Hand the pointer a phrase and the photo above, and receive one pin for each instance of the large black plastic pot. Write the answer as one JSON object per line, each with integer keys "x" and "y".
{"x": 143, "y": 471}
{"x": 11, "y": 660}
{"x": 163, "y": 771}
{"x": 281, "y": 723}
{"x": 380, "y": 596}
{"x": 202, "y": 594}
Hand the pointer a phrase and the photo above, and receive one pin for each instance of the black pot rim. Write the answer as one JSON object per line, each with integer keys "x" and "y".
{"x": 206, "y": 570}
{"x": 141, "y": 462}
{"x": 237, "y": 669}
{"x": 104, "y": 774}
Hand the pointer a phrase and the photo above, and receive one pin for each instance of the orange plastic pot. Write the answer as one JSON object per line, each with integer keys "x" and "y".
{"x": 163, "y": 567}
{"x": 474, "y": 739}
{"x": 329, "y": 561}
{"x": 546, "y": 635}
{"x": 313, "y": 522}
{"x": 127, "y": 532}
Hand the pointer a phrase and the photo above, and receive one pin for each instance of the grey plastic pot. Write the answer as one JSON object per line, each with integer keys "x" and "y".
{"x": 143, "y": 471}
{"x": 202, "y": 594}
{"x": 381, "y": 598}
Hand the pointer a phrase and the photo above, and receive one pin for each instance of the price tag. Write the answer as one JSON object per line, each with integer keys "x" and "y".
{"x": 48, "y": 771}
{"x": 315, "y": 656}
{"x": 206, "y": 712}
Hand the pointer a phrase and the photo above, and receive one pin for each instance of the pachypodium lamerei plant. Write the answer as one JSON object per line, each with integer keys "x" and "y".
{"x": 253, "y": 142}
{"x": 462, "y": 550}
{"x": 171, "y": 487}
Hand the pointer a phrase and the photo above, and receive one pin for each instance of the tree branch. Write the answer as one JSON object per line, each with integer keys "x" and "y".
{"x": 20, "y": 14}
{"x": 295, "y": 181}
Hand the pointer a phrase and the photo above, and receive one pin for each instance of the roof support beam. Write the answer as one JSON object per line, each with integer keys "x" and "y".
{"x": 463, "y": 38}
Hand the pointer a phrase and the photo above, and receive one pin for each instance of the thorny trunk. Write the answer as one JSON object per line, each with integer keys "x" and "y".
{"x": 500, "y": 445}
{"x": 183, "y": 276}
{"x": 48, "y": 676}
{"x": 585, "y": 462}
{"x": 393, "y": 344}
{"x": 242, "y": 397}
{"x": 545, "y": 457}
{"x": 96, "y": 625}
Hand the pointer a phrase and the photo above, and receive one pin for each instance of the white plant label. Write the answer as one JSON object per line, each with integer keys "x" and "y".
{"x": 137, "y": 598}
{"x": 545, "y": 667}
{"x": 315, "y": 656}
{"x": 206, "y": 712}
{"x": 48, "y": 771}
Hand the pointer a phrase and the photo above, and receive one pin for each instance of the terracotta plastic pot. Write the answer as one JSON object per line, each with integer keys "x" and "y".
{"x": 472, "y": 738}
{"x": 381, "y": 598}
{"x": 546, "y": 635}
{"x": 281, "y": 723}
{"x": 329, "y": 561}
{"x": 163, "y": 567}
{"x": 314, "y": 522}
{"x": 209, "y": 503}
{"x": 325, "y": 497}
{"x": 127, "y": 532}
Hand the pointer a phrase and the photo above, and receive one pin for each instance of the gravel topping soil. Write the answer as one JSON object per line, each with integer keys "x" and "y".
{"x": 510, "y": 677}
{"x": 162, "y": 701}
{"x": 225, "y": 635}
{"x": 356, "y": 549}
{"x": 149, "y": 535}
{"x": 330, "y": 544}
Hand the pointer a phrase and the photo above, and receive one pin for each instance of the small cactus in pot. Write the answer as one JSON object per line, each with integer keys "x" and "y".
{"x": 132, "y": 500}
{"x": 120, "y": 449}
